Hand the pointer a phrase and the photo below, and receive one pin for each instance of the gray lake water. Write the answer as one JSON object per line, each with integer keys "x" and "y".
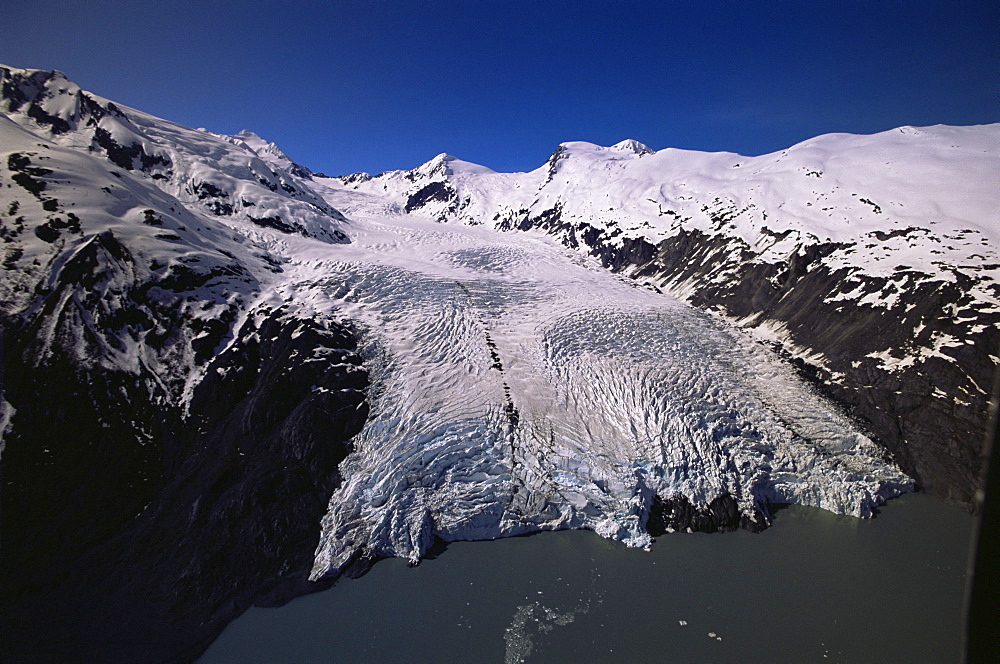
{"x": 815, "y": 587}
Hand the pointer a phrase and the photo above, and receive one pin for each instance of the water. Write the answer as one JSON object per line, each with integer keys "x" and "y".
{"x": 815, "y": 587}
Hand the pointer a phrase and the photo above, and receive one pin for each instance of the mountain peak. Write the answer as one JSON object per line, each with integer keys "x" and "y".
{"x": 250, "y": 137}
{"x": 259, "y": 145}
{"x": 632, "y": 145}
{"x": 446, "y": 164}
{"x": 269, "y": 152}
{"x": 47, "y": 97}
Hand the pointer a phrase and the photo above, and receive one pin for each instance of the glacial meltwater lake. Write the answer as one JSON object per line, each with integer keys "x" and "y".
{"x": 815, "y": 587}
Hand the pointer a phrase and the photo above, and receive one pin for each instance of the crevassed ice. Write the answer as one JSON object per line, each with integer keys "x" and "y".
{"x": 515, "y": 390}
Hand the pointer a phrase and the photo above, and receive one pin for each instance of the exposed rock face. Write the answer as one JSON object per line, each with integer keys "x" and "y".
{"x": 722, "y": 514}
{"x": 123, "y": 510}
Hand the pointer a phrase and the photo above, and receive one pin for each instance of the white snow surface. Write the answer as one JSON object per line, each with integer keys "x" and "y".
{"x": 932, "y": 189}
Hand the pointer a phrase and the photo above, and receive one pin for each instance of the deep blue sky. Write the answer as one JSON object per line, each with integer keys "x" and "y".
{"x": 377, "y": 85}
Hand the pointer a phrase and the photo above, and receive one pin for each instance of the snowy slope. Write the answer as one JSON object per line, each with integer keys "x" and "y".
{"x": 80, "y": 171}
{"x": 150, "y": 385}
{"x": 219, "y": 175}
{"x": 839, "y": 188}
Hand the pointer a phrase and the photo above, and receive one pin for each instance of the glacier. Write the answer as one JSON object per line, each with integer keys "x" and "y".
{"x": 518, "y": 386}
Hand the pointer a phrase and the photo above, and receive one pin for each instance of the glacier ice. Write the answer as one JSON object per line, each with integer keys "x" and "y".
{"x": 518, "y": 386}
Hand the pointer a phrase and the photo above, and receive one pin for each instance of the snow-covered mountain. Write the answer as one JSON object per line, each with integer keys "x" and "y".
{"x": 209, "y": 349}
{"x": 269, "y": 152}
{"x": 870, "y": 261}
{"x": 158, "y": 405}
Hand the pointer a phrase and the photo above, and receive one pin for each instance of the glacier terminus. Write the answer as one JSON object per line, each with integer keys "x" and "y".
{"x": 517, "y": 386}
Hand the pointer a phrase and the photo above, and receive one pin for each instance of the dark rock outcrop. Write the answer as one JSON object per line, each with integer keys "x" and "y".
{"x": 433, "y": 191}
{"x": 135, "y": 531}
{"x": 720, "y": 515}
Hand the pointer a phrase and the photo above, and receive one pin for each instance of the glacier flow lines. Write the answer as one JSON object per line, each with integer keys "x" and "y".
{"x": 517, "y": 388}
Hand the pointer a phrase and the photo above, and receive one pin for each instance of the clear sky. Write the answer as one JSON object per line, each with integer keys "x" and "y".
{"x": 385, "y": 84}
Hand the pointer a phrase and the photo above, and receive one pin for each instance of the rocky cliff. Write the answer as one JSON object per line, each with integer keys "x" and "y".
{"x": 169, "y": 438}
